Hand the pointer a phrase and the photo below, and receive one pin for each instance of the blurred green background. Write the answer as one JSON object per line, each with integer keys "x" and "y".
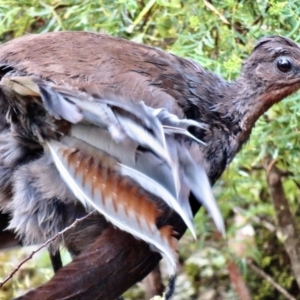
{"x": 219, "y": 35}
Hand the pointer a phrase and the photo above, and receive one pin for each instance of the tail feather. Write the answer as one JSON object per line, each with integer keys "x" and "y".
{"x": 96, "y": 182}
{"x": 118, "y": 155}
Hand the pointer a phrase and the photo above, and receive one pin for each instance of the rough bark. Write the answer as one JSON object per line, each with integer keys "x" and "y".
{"x": 285, "y": 220}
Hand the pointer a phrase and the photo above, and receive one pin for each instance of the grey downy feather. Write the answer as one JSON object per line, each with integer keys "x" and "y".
{"x": 37, "y": 221}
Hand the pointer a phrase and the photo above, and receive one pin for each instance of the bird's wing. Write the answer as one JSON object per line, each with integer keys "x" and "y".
{"x": 121, "y": 158}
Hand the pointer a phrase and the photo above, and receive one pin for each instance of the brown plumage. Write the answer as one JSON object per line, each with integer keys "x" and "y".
{"x": 83, "y": 61}
{"x": 7, "y": 238}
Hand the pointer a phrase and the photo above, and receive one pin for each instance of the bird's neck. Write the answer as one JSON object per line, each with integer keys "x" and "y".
{"x": 241, "y": 107}
{"x": 231, "y": 110}
{"x": 247, "y": 99}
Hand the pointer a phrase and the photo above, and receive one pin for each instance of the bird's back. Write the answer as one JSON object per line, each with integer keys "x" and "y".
{"x": 79, "y": 59}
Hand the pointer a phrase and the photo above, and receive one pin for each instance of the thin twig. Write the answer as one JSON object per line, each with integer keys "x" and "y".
{"x": 214, "y": 10}
{"x": 264, "y": 275}
{"x": 144, "y": 11}
{"x": 43, "y": 246}
{"x": 55, "y": 15}
{"x": 256, "y": 219}
{"x": 270, "y": 166}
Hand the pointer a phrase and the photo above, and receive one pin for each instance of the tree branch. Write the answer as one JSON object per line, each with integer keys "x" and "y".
{"x": 112, "y": 264}
{"x": 285, "y": 220}
{"x": 264, "y": 275}
{"x": 106, "y": 268}
{"x": 41, "y": 247}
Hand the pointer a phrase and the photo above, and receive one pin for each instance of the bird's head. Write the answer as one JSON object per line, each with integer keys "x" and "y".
{"x": 271, "y": 73}
{"x": 273, "y": 68}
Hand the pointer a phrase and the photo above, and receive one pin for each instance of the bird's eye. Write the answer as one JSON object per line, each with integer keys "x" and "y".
{"x": 284, "y": 65}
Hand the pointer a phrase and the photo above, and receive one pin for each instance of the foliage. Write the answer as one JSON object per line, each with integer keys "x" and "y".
{"x": 219, "y": 35}
{"x": 32, "y": 274}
